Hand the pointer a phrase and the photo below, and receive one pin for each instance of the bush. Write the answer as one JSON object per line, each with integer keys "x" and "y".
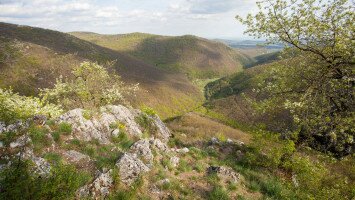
{"x": 268, "y": 150}
{"x": 18, "y": 182}
{"x": 85, "y": 92}
{"x": 14, "y": 106}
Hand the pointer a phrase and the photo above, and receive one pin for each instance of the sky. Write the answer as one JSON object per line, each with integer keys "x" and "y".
{"x": 204, "y": 18}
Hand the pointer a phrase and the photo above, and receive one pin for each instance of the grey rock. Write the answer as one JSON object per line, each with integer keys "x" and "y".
{"x": 98, "y": 127}
{"x": 240, "y": 143}
{"x": 159, "y": 145}
{"x": 183, "y": 150}
{"x": 215, "y": 141}
{"x": 163, "y": 132}
{"x": 174, "y": 161}
{"x": 142, "y": 149}
{"x": 164, "y": 181}
{"x": 2, "y": 127}
{"x": 1, "y": 144}
{"x": 230, "y": 141}
{"x": 75, "y": 157}
{"x": 99, "y": 188}
{"x": 130, "y": 167}
{"x": 20, "y": 142}
{"x": 225, "y": 173}
{"x": 41, "y": 166}
{"x": 115, "y": 132}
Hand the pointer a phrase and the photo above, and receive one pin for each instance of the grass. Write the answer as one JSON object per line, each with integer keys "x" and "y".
{"x": 39, "y": 137}
{"x": 65, "y": 128}
{"x": 218, "y": 193}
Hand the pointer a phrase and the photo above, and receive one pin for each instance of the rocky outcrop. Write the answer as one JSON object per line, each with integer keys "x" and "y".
{"x": 130, "y": 167}
{"x": 41, "y": 166}
{"x": 142, "y": 149}
{"x": 13, "y": 127}
{"x": 98, "y": 126}
{"x": 99, "y": 188}
{"x": 225, "y": 173}
{"x": 163, "y": 133}
{"x": 20, "y": 142}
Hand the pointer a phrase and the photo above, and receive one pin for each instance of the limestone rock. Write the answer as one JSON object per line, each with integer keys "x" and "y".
{"x": 174, "y": 161}
{"x": 214, "y": 141}
{"x": 98, "y": 127}
{"x": 142, "y": 149}
{"x": 159, "y": 145}
{"x": 20, "y": 142}
{"x": 230, "y": 141}
{"x": 75, "y": 157}
{"x": 130, "y": 167}
{"x": 183, "y": 150}
{"x": 42, "y": 167}
{"x": 163, "y": 132}
{"x": 2, "y": 127}
{"x": 99, "y": 188}
{"x": 225, "y": 173}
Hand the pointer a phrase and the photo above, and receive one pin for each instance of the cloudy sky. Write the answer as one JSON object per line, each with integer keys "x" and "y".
{"x": 205, "y": 18}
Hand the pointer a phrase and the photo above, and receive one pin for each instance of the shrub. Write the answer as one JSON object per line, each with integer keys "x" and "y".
{"x": 18, "y": 182}
{"x": 148, "y": 110}
{"x": 268, "y": 150}
{"x": 85, "y": 92}
{"x": 14, "y": 106}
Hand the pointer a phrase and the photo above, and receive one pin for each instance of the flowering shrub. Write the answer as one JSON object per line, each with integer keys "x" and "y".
{"x": 14, "y": 106}
{"x": 93, "y": 86}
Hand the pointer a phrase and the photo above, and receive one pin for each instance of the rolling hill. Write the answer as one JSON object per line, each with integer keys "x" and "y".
{"x": 33, "y": 58}
{"x": 165, "y": 67}
{"x": 194, "y": 56}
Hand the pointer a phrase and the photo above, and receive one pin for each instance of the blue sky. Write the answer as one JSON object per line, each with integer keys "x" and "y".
{"x": 205, "y": 18}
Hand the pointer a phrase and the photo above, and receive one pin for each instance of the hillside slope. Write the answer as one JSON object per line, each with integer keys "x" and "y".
{"x": 197, "y": 57}
{"x": 33, "y": 58}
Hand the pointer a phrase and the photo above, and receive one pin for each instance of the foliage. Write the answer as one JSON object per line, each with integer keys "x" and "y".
{"x": 14, "y": 106}
{"x": 39, "y": 137}
{"x": 18, "y": 182}
{"x": 149, "y": 111}
{"x": 268, "y": 150}
{"x": 315, "y": 81}
{"x": 92, "y": 87}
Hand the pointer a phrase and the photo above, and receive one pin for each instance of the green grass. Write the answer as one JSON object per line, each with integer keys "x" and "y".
{"x": 65, "y": 128}
{"x": 39, "y": 137}
{"x": 218, "y": 193}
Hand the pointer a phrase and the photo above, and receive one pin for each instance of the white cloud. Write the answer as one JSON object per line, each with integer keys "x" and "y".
{"x": 172, "y": 17}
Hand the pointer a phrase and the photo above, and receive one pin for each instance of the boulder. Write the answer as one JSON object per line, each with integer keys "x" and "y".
{"x": 130, "y": 167}
{"x": 163, "y": 132}
{"x": 99, "y": 188}
{"x": 98, "y": 127}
